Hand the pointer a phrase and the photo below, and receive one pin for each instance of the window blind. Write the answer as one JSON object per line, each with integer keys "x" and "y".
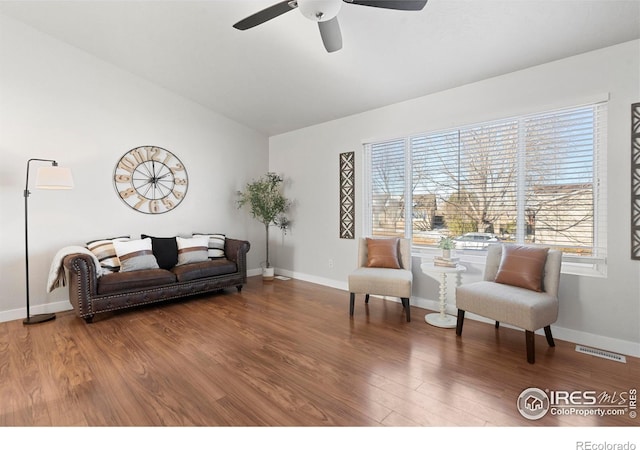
{"x": 531, "y": 179}
{"x": 388, "y": 193}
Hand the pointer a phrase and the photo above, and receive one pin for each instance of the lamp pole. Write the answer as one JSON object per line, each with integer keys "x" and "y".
{"x": 39, "y": 318}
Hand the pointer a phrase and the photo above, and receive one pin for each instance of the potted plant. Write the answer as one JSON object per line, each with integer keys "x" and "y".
{"x": 267, "y": 204}
{"x": 446, "y": 244}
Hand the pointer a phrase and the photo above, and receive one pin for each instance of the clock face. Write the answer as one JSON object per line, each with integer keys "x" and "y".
{"x": 150, "y": 179}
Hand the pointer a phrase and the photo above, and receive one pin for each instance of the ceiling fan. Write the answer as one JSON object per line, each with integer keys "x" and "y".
{"x": 324, "y": 12}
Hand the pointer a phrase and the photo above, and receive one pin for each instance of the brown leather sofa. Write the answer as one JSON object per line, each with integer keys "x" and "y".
{"x": 91, "y": 295}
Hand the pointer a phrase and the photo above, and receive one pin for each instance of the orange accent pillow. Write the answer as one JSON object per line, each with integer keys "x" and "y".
{"x": 383, "y": 253}
{"x": 522, "y": 266}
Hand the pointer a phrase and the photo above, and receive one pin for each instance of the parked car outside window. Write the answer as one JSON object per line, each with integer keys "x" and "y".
{"x": 475, "y": 241}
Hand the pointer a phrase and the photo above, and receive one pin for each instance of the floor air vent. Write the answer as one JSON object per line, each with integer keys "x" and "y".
{"x": 601, "y": 353}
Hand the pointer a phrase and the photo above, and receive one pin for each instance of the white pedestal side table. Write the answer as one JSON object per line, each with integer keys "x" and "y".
{"x": 441, "y": 319}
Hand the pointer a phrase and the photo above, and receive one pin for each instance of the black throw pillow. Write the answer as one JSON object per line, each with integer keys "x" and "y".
{"x": 165, "y": 250}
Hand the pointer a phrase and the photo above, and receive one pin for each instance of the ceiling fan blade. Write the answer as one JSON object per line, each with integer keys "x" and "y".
{"x": 331, "y": 35}
{"x": 266, "y": 14}
{"x": 403, "y": 5}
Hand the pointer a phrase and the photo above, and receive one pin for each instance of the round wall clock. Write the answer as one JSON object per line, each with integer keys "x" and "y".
{"x": 150, "y": 179}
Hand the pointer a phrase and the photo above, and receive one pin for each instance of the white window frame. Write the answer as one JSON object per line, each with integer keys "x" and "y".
{"x": 595, "y": 265}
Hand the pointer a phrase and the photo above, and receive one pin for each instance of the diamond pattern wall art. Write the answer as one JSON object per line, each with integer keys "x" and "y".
{"x": 347, "y": 195}
{"x": 635, "y": 181}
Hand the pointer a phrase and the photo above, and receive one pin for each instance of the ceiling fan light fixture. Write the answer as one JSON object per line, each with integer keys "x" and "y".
{"x": 319, "y": 10}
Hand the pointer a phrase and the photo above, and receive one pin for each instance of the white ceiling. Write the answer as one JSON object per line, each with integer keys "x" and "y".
{"x": 278, "y": 77}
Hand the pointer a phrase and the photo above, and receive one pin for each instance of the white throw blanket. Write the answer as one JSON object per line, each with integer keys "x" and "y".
{"x": 57, "y": 276}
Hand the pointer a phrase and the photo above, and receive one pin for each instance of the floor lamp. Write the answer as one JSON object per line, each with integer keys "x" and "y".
{"x": 48, "y": 177}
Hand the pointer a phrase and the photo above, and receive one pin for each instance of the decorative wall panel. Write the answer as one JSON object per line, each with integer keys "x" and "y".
{"x": 635, "y": 181}
{"x": 347, "y": 195}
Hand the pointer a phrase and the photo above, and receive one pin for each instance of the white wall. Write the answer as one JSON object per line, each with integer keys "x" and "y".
{"x": 57, "y": 102}
{"x": 602, "y": 312}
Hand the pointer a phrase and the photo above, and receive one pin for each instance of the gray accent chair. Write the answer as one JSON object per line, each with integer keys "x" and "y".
{"x": 382, "y": 281}
{"x": 516, "y": 306}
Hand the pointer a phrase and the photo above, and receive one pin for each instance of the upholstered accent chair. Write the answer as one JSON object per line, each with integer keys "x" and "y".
{"x": 519, "y": 287}
{"x": 384, "y": 268}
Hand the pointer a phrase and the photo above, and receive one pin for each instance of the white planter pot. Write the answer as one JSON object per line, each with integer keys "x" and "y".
{"x": 268, "y": 273}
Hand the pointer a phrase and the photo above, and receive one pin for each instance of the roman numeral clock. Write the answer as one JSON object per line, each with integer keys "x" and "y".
{"x": 151, "y": 180}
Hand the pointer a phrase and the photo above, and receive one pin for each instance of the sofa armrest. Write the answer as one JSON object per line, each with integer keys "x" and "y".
{"x": 83, "y": 281}
{"x": 236, "y": 250}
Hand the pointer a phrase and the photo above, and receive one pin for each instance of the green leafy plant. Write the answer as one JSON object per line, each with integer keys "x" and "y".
{"x": 266, "y": 203}
{"x": 446, "y": 243}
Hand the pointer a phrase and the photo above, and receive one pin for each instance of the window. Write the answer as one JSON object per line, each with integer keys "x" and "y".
{"x": 530, "y": 179}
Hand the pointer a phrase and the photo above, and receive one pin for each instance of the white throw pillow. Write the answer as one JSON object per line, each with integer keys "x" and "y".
{"x": 135, "y": 255}
{"x": 192, "y": 250}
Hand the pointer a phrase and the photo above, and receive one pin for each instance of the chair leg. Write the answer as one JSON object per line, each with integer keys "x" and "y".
{"x": 460, "y": 322}
{"x": 366, "y": 298}
{"x": 547, "y": 333}
{"x": 352, "y": 301}
{"x": 497, "y": 324}
{"x": 531, "y": 346}
{"x": 407, "y": 308}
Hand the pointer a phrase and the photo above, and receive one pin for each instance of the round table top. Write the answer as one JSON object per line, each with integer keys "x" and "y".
{"x": 431, "y": 267}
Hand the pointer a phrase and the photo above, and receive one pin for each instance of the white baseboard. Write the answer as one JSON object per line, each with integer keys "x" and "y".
{"x": 343, "y": 286}
{"x": 21, "y": 313}
{"x": 565, "y": 334}
{"x": 600, "y": 342}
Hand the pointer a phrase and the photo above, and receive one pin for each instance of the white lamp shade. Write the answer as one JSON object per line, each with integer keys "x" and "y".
{"x": 319, "y": 10}
{"x": 54, "y": 177}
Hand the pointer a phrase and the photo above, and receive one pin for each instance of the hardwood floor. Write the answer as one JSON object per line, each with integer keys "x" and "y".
{"x": 285, "y": 353}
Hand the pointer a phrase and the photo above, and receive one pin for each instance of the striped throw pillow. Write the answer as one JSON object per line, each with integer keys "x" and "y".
{"x": 192, "y": 250}
{"x": 215, "y": 246}
{"x": 106, "y": 252}
{"x": 135, "y": 255}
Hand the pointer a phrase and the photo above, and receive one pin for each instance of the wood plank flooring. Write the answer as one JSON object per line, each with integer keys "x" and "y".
{"x": 285, "y": 353}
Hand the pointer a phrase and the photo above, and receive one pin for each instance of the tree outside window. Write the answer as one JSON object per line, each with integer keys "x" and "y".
{"x": 529, "y": 179}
